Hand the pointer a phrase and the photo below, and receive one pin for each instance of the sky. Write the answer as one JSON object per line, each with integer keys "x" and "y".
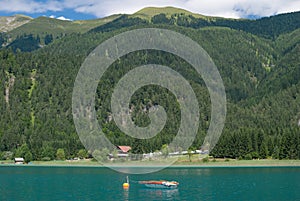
{"x": 91, "y": 9}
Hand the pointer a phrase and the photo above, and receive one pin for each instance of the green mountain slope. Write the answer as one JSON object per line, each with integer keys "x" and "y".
{"x": 31, "y": 34}
{"x": 149, "y": 12}
{"x": 286, "y": 71}
{"x": 268, "y": 27}
{"x": 260, "y": 73}
{"x": 42, "y": 25}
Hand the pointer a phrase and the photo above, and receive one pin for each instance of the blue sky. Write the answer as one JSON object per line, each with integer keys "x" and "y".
{"x": 91, "y": 9}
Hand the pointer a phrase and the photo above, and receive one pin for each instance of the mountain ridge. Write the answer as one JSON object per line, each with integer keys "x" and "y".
{"x": 149, "y": 12}
{"x": 170, "y": 15}
{"x": 12, "y": 22}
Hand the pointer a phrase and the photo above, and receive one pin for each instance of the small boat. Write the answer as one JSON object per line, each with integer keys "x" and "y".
{"x": 160, "y": 184}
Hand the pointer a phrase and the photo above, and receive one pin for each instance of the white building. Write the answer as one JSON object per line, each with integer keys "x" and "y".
{"x": 19, "y": 160}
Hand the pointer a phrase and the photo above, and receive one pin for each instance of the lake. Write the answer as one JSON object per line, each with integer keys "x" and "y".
{"x": 99, "y": 183}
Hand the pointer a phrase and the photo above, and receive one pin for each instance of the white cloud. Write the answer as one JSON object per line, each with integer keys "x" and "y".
{"x": 224, "y": 8}
{"x": 60, "y": 18}
{"x": 63, "y": 18}
{"x": 29, "y": 6}
{"x": 106, "y": 8}
{"x": 260, "y": 8}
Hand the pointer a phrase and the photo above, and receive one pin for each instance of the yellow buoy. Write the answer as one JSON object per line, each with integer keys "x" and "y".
{"x": 126, "y": 184}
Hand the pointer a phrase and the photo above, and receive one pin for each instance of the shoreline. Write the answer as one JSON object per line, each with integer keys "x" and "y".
{"x": 148, "y": 164}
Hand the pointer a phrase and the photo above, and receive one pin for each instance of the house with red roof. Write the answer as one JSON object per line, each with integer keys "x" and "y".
{"x": 123, "y": 151}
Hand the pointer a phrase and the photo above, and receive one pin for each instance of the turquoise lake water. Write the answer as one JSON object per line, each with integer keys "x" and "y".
{"x": 97, "y": 183}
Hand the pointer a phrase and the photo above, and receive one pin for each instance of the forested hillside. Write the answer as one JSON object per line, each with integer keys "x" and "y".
{"x": 259, "y": 61}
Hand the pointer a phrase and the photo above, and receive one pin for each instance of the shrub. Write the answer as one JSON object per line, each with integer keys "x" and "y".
{"x": 7, "y": 155}
{"x": 248, "y": 157}
{"x": 60, "y": 154}
{"x": 101, "y": 155}
{"x": 255, "y": 155}
{"x": 28, "y": 157}
{"x": 82, "y": 153}
{"x": 46, "y": 159}
{"x": 205, "y": 160}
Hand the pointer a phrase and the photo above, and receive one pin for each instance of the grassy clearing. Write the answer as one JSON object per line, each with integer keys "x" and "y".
{"x": 248, "y": 163}
{"x": 149, "y": 12}
{"x": 6, "y": 162}
{"x": 67, "y": 163}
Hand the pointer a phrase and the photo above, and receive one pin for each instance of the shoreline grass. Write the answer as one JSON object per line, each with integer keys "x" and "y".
{"x": 181, "y": 162}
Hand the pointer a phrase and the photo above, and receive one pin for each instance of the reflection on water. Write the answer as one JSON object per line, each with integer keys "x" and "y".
{"x": 150, "y": 194}
{"x": 160, "y": 194}
{"x": 126, "y": 194}
{"x": 195, "y": 171}
{"x": 136, "y": 170}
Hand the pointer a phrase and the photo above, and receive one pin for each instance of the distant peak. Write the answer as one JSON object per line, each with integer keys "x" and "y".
{"x": 149, "y": 12}
{"x": 12, "y": 22}
{"x": 157, "y": 10}
{"x": 23, "y": 16}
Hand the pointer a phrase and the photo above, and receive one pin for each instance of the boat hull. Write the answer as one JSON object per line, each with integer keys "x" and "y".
{"x": 160, "y": 184}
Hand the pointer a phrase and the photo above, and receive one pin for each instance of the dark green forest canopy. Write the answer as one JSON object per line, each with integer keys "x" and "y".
{"x": 258, "y": 60}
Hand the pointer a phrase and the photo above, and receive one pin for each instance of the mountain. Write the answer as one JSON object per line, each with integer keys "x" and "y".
{"x": 268, "y": 27}
{"x": 10, "y": 23}
{"x": 29, "y": 34}
{"x": 149, "y": 12}
{"x": 45, "y": 30}
{"x": 258, "y": 61}
{"x": 53, "y": 26}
